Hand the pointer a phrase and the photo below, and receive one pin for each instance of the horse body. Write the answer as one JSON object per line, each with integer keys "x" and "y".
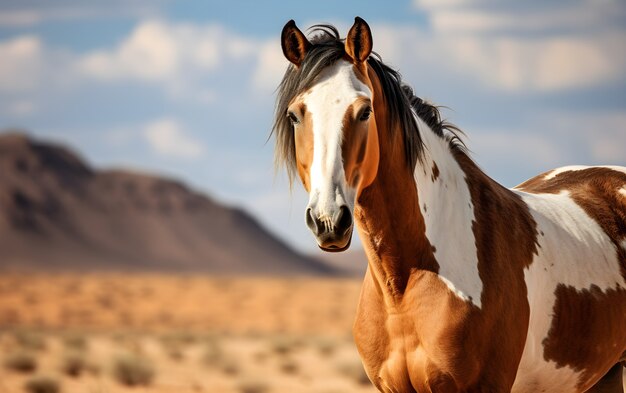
{"x": 559, "y": 328}
{"x": 577, "y": 282}
{"x": 470, "y": 287}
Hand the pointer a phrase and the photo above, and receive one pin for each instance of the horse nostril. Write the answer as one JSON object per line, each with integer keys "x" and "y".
{"x": 312, "y": 223}
{"x": 343, "y": 222}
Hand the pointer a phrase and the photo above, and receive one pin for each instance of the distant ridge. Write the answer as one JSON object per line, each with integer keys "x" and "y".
{"x": 57, "y": 213}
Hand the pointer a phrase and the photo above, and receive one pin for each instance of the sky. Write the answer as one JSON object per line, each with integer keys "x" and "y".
{"x": 186, "y": 88}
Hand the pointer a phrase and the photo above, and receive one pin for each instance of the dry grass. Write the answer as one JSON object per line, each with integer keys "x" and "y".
{"x": 42, "y": 384}
{"x": 133, "y": 370}
{"x": 24, "y": 362}
{"x": 253, "y": 385}
{"x": 74, "y": 364}
{"x": 353, "y": 369}
{"x": 75, "y": 341}
{"x": 177, "y": 305}
{"x": 178, "y": 334}
{"x": 30, "y": 340}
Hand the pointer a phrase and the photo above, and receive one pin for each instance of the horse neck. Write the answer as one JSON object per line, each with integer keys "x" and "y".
{"x": 402, "y": 209}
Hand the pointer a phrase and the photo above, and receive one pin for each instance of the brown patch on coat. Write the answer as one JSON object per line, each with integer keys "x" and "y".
{"x": 590, "y": 314}
{"x": 394, "y": 236}
{"x": 588, "y": 319}
{"x": 359, "y": 147}
{"x": 596, "y": 191}
{"x": 506, "y": 241}
{"x": 352, "y": 147}
{"x": 611, "y": 382}
{"x": 404, "y": 245}
{"x": 445, "y": 341}
{"x": 304, "y": 143}
{"x": 435, "y": 172}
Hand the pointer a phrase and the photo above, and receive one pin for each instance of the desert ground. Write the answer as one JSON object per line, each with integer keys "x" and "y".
{"x": 104, "y": 333}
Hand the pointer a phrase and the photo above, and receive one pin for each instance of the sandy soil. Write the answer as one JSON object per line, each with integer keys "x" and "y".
{"x": 196, "y": 334}
{"x": 196, "y": 303}
{"x": 191, "y": 333}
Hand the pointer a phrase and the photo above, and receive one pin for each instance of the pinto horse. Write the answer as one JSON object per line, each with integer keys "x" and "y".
{"x": 470, "y": 286}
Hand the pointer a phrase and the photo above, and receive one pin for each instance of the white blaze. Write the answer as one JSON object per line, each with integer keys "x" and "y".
{"x": 327, "y": 103}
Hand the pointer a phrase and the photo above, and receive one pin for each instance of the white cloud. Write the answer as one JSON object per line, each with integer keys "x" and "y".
{"x": 462, "y": 18}
{"x": 20, "y": 63}
{"x": 177, "y": 56}
{"x": 551, "y": 140}
{"x": 19, "y": 18}
{"x": 522, "y": 149}
{"x": 545, "y": 64}
{"x": 28, "y": 16}
{"x": 150, "y": 52}
{"x": 601, "y": 135}
{"x": 167, "y": 137}
{"x": 509, "y": 63}
{"x": 158, "y": 50}
{"x": 21, "y": 108}
{"x": 270, "y": 67}
{"x": 534, "y": 46}
{"x": 437, "y": 4}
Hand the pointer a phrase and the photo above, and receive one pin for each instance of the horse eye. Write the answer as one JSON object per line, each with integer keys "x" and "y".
{"x": 365, "y": 115}
{"x": 293, "y": 118}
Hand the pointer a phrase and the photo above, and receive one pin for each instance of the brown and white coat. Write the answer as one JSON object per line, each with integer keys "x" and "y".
{"x": 470, "y": 287}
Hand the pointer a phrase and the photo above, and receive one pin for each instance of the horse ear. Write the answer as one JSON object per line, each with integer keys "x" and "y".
{"x": 359, "y": 41}
{"x": 294, "y": 43}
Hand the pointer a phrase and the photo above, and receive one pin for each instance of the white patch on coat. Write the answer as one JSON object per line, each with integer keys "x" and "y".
{"x": 327, "y": 103}
{"x": 622, "y": 191}
{"x": 615, "y": 168}
{"x": 560, "y": 170}
{"x": 449, "y": 217}
{"x": 569, "y": 168}
{"x": 573, "y": 251}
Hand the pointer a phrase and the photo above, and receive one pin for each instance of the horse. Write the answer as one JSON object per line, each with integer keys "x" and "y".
{"x": 470, "y": 286}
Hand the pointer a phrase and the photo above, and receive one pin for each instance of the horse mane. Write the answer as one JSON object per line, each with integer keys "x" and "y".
{"x": 326, "y": 48}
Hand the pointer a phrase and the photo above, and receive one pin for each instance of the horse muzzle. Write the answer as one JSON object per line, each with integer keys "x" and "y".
{"x": 333, "y": 232}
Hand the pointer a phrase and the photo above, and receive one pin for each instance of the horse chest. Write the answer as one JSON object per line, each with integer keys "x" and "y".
{"x": 408, "y": 349}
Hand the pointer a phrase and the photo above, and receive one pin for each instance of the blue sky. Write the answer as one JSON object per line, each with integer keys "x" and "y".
{"x": 186, "y": 88}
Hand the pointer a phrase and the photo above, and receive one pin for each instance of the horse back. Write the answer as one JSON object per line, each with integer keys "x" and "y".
{"x": 576, "y": 283}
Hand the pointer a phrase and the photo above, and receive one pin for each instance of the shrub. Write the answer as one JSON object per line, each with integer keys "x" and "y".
{"x": 42, "y": 384}
{"x": 253, "y": 386}
{"x": 75, "y": 342}
{"x": 326, "y": 347}
{"x": 289, "y": 366}
{"x": 213, "y": 354}
{"x": 354, "y": 370}
{"x": 133, "y": 370}
{"x": 283, "y": 345}
{"x": 175, "y": 352}
{"x": 229, "y": 366}
{"x": 179, "y": 338}
{"x": 30, "y": 340}
{"x": 24, "y": 362}
{"x": 74, "y": 364}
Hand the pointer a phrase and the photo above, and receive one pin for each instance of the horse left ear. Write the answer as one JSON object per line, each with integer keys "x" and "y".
{"x": 294, "y": 43}
{"x": 359, "y": 41}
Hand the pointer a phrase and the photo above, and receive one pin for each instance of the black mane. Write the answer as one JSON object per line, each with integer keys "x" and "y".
{"x": 327, "y": 48}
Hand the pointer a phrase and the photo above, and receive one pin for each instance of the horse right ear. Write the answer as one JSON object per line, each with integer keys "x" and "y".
{"x": 294, "y": 43}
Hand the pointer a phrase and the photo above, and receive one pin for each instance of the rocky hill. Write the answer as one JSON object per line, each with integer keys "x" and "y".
{"x": 58, "y": 213}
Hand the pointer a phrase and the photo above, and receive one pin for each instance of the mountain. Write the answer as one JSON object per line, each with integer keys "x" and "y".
{"x": 58, "y": 213}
